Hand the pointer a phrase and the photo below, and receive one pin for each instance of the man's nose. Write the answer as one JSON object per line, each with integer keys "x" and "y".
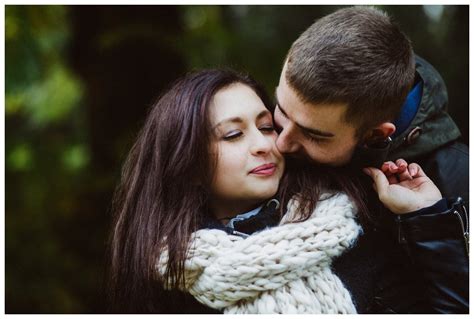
{"x": 286, "y": 143}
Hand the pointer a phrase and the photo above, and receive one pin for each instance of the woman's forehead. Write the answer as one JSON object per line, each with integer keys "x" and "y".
{"x": 235, "y": 101}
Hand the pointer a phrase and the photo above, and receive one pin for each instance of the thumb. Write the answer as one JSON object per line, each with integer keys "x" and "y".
{"x": 379, "y": 178}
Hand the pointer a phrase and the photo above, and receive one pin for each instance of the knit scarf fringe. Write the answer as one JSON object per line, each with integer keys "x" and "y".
{"x": 284, "y": 269}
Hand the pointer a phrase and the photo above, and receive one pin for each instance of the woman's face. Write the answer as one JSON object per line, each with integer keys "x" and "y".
{"x": 249, "y": 166}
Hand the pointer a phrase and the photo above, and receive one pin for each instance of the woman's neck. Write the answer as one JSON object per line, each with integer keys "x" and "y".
{"x": 226, "y": 210}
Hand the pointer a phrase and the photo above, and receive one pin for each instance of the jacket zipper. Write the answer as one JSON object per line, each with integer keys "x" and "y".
{"x": 465, "y": 229}
{"x": 401, "y": 235}
{"x": 243, "y": 235}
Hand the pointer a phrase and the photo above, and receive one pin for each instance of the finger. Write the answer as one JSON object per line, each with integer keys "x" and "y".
{"x": 393, "y": 168}
{"x": 416, "y": 170}
{"x": 379, "y": 178}
{"x": 385, "y": 167}
{"x": 402, "y": 165}
{"x": 390, "y": 166}
{"x": 404, "y": 176}
{"x": 396, "y": 172}
{"x": 403, "y": 173}
{"x": 392, "y": 179}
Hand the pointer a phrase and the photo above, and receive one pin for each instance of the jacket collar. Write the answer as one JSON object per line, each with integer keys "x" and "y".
{"x": 245, "y": 224}
{"x": 431, "y": 119}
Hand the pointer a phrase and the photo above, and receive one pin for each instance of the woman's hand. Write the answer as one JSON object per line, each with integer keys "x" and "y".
{"x": 403, "y": 188}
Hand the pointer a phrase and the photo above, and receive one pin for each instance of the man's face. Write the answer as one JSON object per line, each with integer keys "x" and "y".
{"x": 318, "y": 132}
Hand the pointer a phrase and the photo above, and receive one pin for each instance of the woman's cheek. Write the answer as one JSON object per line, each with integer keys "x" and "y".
{"x": 232, "y": 156}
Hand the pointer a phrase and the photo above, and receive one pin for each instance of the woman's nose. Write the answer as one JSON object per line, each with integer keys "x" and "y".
{"x": 261, "y": 144}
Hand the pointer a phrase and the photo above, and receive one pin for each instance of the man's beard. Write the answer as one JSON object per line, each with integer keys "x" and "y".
{"x": 302, "y": 159}
{"x": 361, "y": 157}
{"x": 365, "y": 156}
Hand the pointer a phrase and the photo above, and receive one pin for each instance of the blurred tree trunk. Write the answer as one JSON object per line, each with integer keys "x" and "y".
{"x": 456, "y": 66}
{"x": 119, "y": 53}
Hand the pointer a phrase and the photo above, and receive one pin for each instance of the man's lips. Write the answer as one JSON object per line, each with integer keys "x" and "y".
{"x": 265, "y": 169}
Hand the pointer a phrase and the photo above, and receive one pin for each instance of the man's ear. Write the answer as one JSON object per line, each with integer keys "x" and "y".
{"x": 381, "y": 132}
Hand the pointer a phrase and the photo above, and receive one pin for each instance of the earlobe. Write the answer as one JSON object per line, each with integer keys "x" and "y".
{"x": 380, "y": 133}
{"x": 386, "y": 129}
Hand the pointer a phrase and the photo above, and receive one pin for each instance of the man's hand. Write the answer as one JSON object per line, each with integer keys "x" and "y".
{"x": 403, "y": 188}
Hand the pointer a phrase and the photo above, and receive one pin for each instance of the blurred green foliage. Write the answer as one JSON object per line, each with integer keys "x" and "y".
{"x": 79, "y": 80}
{"x": 39, "y": 85}
{"x": 45, "y": 157}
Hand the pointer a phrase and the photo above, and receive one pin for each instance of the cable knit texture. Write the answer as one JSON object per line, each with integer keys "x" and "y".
{"x": 284, "y": 269}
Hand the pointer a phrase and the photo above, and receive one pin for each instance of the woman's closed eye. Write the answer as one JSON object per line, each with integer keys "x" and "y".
{"x": 232, "y": 135}
{"x": 267, "y": 128}
{"x": 235, "y": 134}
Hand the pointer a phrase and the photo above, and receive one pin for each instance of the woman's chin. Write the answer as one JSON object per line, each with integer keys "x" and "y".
{"x": 267, "y": 192}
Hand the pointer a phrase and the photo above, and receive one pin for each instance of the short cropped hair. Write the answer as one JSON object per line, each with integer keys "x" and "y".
{"x": 357, "y": 56}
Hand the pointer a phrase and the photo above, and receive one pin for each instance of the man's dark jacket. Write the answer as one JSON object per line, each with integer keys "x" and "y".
{"x": 432, "y": 139}
{"x": 419, "y": 263}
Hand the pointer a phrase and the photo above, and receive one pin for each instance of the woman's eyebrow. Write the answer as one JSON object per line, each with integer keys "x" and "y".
{"x": 263, "y": 114}
{"x": 235, "y": 119}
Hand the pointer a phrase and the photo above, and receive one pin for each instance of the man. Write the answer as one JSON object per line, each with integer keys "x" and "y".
{"x": 352, "y": 93}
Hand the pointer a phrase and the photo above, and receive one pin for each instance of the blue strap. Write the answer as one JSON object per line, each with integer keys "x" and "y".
{"x": 409, "y": 109}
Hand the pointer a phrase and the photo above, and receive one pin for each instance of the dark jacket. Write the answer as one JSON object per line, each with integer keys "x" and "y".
{"x": 432, "y": 139}
{"x": 416, "y": 263}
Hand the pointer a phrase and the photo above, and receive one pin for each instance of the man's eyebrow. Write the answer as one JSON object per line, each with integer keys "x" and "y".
{"x": 237, "y": 119}
{"x": 306, "y": 129}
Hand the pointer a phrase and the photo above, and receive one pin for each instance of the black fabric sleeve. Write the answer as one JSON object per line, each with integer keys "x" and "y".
{"x": 436, "y": 239}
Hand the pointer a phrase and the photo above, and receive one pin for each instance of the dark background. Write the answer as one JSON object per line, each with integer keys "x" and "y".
{"x": 79, "y": 80}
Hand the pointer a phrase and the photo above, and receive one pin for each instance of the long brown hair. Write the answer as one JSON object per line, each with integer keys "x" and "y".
{"x": 163, "y": 194}
{"x": 164, "y": 190}
{"x": 310, "y": 181}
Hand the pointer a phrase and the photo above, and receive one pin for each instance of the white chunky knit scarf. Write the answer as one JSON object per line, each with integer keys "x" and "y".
{"x": 285, "y": 269}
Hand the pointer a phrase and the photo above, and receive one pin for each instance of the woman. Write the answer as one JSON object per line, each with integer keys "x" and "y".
{"x": 206, "y": 158}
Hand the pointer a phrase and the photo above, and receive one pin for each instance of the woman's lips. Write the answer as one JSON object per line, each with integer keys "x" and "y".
{"x": 264, "y": 170}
